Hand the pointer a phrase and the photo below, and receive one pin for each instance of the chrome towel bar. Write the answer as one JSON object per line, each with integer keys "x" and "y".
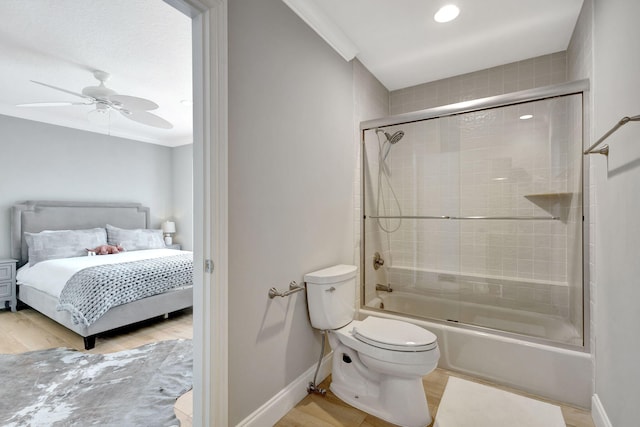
{"x": 605, "y": 148}
{"x": 293, "y": 288}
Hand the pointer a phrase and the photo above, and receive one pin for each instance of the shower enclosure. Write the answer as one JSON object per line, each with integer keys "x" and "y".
{"x": 473, "y": 214}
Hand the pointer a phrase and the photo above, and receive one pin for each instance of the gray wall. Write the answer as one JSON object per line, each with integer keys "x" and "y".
{"x": 291, "y": 172}
{"x": 616, "y": 94}
{"x": 182, "y": 196}
{"x": 44, "y": 162}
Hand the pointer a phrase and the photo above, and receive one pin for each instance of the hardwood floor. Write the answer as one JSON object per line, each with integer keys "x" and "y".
{"x": 28, "y": 330}
{"x": 318, "y": 411}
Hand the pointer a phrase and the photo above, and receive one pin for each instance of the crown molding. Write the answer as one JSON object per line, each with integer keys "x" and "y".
{"x": 310, "y": 13}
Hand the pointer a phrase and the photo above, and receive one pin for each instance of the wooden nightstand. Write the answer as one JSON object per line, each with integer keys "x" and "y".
{"x": 8, "y": 283}
{"x": 177, "y": 246}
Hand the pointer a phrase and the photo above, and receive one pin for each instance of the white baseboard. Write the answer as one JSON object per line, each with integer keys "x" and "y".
{"x": 599, "y": 415}
{"x": 287, "y": 398}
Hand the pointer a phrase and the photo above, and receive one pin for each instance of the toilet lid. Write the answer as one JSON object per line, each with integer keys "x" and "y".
{"x": 394, "y": 335}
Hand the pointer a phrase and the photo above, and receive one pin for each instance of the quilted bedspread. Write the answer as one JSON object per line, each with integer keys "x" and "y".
{"x": 91, "y": 292}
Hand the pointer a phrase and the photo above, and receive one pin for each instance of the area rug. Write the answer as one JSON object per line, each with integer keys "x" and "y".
{"x": 469, "y": 404}
{"x": 64, "y": 387}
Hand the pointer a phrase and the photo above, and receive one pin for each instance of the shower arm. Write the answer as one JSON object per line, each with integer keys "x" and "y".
{"x": 605, "y": 148}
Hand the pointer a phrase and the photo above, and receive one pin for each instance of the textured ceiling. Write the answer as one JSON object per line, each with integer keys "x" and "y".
{"x": 144, "y": 44}
{"x": 401, "y": 44}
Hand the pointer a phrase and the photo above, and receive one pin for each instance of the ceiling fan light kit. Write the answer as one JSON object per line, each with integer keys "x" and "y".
{"x": 107, "y": 100}
{"x": 100, "y": 116}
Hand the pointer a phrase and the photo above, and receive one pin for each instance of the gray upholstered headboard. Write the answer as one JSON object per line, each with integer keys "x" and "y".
{"x": 36, "y": 216}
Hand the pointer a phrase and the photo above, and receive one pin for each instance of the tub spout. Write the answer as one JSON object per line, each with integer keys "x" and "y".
{"x": 386, "y": 288}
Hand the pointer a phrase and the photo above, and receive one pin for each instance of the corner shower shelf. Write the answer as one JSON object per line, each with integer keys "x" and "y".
{"x": 550, "y": 202}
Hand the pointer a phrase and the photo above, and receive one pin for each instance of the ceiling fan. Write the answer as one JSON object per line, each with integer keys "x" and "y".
{"x": 107, "y": 100}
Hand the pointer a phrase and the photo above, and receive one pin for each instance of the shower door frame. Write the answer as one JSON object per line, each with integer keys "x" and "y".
{"x": 578, "y": 87}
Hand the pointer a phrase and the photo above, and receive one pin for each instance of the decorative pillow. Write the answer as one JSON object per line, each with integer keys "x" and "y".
{"x": 135, "y": 239}
{"x": 54, "y": 244}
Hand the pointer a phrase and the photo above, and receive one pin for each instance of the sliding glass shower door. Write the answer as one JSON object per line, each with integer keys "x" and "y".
{"x": 477, "y": 218}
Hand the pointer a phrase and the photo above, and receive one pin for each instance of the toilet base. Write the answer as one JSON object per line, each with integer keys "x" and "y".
{"x": 398, "y": 400}
{"x": 402, "y": 412}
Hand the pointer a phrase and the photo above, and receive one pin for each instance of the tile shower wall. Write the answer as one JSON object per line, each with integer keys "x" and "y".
{"x": 371, "y": 101}
{"x": 467, "y": 176}
{"x": 531, "y": 73}
{"x": 487, "y": 163}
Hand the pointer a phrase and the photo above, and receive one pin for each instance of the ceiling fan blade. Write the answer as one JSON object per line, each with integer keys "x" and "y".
{"x": 52, "y": 104}
{"x": 146, "y": 118}
{"x": 133, "y": 103}
{"x": 62, "y": 90}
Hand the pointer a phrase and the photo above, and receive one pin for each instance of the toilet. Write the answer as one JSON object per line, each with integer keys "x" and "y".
{"x": 378, "y": 364}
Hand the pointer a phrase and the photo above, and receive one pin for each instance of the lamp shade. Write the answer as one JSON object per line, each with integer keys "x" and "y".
{"x": 168, "y": 227}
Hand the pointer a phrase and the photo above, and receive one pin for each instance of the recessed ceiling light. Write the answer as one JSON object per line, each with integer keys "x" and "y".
{"x": 447, "y": 13}
{"x": 526, "y": 116}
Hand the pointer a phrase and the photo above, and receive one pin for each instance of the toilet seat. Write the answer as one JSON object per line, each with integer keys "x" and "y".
{"x": 394, "y": 335}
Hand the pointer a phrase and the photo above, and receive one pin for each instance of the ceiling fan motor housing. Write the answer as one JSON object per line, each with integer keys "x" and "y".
{"x": 98, "y": 92}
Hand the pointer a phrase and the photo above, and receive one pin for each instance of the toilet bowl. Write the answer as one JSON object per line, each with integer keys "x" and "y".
{"x": 378, "y": 364}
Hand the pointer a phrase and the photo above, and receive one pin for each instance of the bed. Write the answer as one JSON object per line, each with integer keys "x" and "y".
{"x": 38, "y": 216}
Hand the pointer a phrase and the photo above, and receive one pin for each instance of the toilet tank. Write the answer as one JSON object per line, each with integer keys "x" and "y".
{"x": 331, "y": 296}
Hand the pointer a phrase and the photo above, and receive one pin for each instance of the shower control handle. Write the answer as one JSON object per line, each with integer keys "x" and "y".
{"x": 377, "y": 261}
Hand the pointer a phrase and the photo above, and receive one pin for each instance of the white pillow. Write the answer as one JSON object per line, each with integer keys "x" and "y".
{"x": 55, "y": 244}
{"x": 135, "y": 239}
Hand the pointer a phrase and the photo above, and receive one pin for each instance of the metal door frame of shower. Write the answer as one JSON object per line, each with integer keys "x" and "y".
{"x": 578, "y": 87}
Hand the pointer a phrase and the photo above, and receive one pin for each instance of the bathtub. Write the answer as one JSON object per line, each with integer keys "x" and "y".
{"x": 555, "y": 373}
{"x": 545, "y": 326}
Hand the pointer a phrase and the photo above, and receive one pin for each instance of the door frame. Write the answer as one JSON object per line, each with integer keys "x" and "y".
{"x": 210, "y": 202}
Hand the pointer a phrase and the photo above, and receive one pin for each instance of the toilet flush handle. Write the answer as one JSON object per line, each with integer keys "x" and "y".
{"x": 331, "y": 289}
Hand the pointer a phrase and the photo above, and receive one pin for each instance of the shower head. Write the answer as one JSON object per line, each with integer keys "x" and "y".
{"x": 397, "y": 136}
{"x": 391, "y": 139}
